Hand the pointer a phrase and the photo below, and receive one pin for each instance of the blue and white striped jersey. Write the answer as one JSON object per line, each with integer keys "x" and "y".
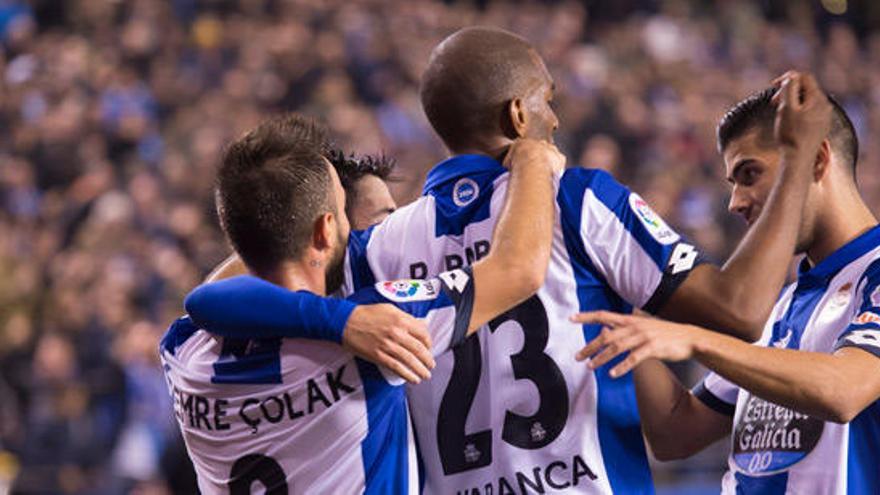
{"x": 304, "y": 416}
{"x": 775, "y": 450}
{"x": 510, "y": 410}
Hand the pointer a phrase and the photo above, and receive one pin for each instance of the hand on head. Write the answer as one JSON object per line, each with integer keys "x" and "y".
{"x": 803, "y": 112}
{"x": 532, "y": 152}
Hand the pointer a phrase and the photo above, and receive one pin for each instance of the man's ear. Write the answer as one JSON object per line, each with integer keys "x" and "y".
{"x": 517, "y": 119}
{"x": 322, "y": 234}
{"x": 822, "y": 165}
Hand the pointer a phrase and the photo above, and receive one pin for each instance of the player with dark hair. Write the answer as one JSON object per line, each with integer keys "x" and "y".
{"x": 365, "y": 180}
{"x": 306, "y": 416}
{"x": 802, "y": 405}
{"x": 511, "y": 410}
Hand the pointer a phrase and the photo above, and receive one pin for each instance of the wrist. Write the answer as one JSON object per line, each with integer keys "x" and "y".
{"x": 702, "y": 342}
{"x": 791, "y": 154}
{"x": 339, "y": 317}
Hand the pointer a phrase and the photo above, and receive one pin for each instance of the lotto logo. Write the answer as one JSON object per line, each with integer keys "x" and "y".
{"x": 683, "y": 258}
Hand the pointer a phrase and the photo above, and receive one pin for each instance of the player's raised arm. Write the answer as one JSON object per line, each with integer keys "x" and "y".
{"x": 516, "y": 266}
{"x": 737, "y": 298}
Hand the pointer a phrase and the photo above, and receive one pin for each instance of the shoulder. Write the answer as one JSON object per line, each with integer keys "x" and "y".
{"x": 579, "y": 184}
{"x": 177, "y": 334}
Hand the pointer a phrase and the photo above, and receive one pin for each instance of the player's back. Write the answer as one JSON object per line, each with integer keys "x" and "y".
{"x": 511, "y": 410}
{"x": 294, "y": 416}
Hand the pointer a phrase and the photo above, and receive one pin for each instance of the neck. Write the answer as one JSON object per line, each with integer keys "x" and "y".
{"x": 495, "y": 147}
{"x": 299, "y": 275}
{"x": 842, "y": 220}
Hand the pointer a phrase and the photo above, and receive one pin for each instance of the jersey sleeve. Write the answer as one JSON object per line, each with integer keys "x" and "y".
{"x": 863, "y": 330}
{"x": 717, "y": 393}
{"x": 614, "y": 231}
{"x": 444, "y": 303}
{"x": 250, "y": 307}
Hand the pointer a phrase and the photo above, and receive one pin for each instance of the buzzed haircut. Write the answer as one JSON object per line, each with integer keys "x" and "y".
{"x": 758, "y": 112}
{"x": 272, "y": 185}
{"x": 471, "y": 76}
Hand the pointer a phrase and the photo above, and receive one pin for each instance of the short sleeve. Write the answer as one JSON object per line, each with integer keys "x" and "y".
{"x": 614, "y": 231}
{"x": 717, "y": 393}
{"x": 863, "y": 331}
{"x": 444, "y": 303}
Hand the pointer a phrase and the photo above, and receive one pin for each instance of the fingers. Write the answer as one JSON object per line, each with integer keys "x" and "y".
{"x": 419, "y": 351}
{"x": 624, "y": 343}
{"x": 419, "y": 331}
{"x": 788, "y": 74}
{"x": 605, "y": 318}
{"x": 789, "y": 93}
{"x": 594, "y": 345}
{"x": 634, "y": 359}
{"x": 410, "y": 361}
{"x": 390, "y": 362}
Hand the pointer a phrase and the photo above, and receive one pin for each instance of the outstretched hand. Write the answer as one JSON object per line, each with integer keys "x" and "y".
{"x": 642, "y": 337}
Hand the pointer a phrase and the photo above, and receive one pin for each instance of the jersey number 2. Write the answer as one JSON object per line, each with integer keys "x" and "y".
{"x": 460, "y": 451}
{"x": 257, "y": 467}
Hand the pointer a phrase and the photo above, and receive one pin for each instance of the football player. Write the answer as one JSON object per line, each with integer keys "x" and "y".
{"x": 802, "y": 404}
{"x": 306, "y": 416}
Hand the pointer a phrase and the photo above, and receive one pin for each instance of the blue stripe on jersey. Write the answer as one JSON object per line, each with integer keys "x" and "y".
{"x": 384, "y": 450}
{"x": 361, "y": 273}
{"x": 862, "y": 474}
{"x": 453, "y": 180}
{"x": 249, "y": 361}
{"x": 616, "y": 198}
{"x": 177, "y": 334}
{"x": 763, "y": 485}
{"x": 619, "y": 428}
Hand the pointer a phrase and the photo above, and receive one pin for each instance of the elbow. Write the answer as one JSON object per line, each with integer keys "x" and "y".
{"x": 670, "y": 450}
{"x": 531, "y": 277}
{"x": 832, "y": 403}
{"x": 664, "y": 455}
{"x": 839, "y": 413}
{"x": 743, "y": 322}
{"x": 839, "y": 410}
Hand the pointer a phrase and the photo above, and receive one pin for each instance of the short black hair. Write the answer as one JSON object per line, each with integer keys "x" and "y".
{"x": 352, "y": 168}
{"x": 272, "y": 184}
{"x": 758, "y": 112}
{"x": 471, "y": 76}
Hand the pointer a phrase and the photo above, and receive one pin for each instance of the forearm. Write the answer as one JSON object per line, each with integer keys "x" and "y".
{"x": 766, "y": 251}
{"x": 809, "y": 382}
{"x": 673, "y": 422}
{"x": 523, "y": 235}
{"x": 517, "y": 263}
{"x": 726, "y": 299}
{"x": 247, "y": 307}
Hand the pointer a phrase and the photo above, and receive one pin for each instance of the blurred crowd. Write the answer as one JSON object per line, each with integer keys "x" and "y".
{"x": 113, "y": 115}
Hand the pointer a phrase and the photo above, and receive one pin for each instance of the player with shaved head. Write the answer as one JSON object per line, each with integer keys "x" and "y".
{"x": 510, "y": 410}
